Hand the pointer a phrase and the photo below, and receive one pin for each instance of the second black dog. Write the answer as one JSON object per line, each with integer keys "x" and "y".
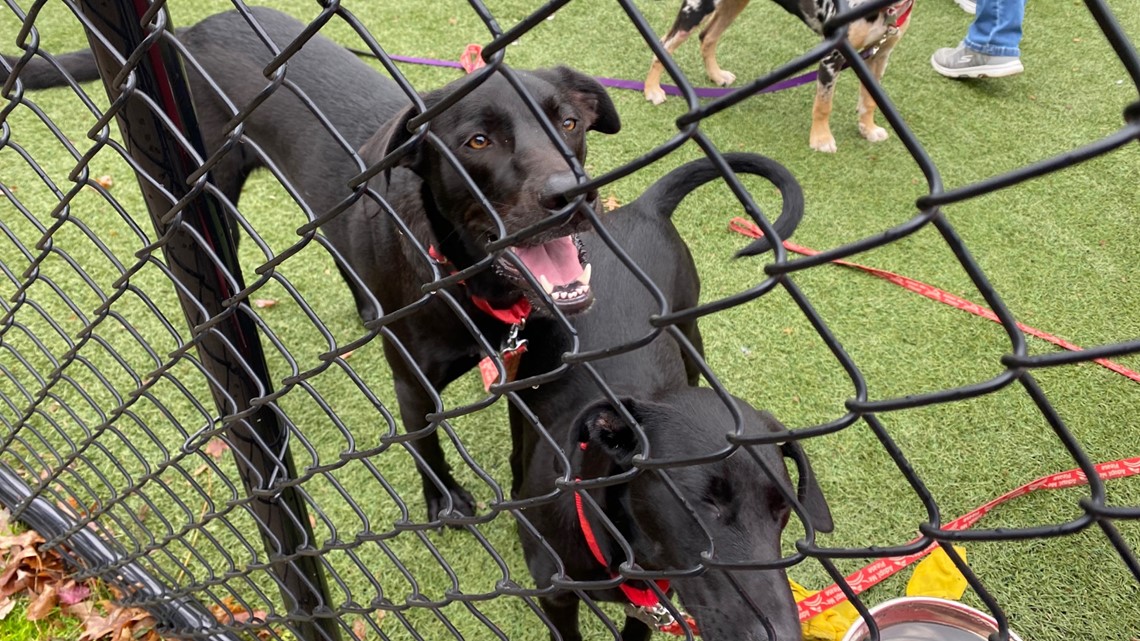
{"x": 740, "y": 511}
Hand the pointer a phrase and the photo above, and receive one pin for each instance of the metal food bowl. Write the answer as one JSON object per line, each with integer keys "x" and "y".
{"x": 926, "y": 619}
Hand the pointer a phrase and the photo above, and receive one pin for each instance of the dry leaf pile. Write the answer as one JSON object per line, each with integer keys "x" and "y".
{"x": 28, "y": 572}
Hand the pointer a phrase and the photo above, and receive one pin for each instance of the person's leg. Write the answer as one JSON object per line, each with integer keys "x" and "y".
{"x": 991, "y": 47}
{"x": 996, "y": 30}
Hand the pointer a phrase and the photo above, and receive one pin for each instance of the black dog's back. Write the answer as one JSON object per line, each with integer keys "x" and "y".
{"x": 353, "y": 98}
{"x": 643, "y": 230}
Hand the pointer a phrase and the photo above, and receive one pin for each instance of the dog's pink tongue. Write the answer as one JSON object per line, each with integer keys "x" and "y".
{"x": 557, "y": 260}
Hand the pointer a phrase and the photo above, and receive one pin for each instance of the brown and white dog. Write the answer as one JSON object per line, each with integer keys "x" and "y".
{"x": 881, "y": 30}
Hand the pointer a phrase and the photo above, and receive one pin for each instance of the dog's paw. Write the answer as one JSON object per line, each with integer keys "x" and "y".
{"x": 825, "y": 144}
{"x": 462, "y": 504}
{"x": 656, "y": 95}
{"x": 874, "y": 134}
{"x": 723, "y": 78}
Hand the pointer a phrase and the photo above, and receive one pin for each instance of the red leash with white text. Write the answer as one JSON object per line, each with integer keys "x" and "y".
{"x": 876, "y": 572}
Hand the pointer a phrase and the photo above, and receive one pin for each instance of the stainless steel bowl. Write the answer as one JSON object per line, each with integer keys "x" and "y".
{"x": 927, "y": 619}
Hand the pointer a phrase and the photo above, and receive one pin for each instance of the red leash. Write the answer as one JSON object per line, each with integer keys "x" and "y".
{"x": 876, "y": 572}
{"x": 748, "y": 228}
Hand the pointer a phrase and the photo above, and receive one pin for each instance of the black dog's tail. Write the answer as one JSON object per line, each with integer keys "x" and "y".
{"x": 38, "y": 73}
{"x": 671, "y": 189}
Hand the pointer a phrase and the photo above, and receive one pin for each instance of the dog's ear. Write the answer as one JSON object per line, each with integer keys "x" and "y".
{"x": 390, "y": 137}
{"x": 588, "y": 94}
{"x": 601, "y": 427}
{"x": 808, "y": 491}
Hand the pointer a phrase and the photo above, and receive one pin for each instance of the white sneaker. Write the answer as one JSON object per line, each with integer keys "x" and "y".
{"x": 969, "y": 6}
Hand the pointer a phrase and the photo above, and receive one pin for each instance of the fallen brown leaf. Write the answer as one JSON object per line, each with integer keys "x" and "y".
{"x": 43, "y": 604}
{"x": 106, "y": 182}
{"x": 80, "y": 610}
{"x": 216, "y": 447}
{"x": 262, "y": 303}
{"x": 6, "y": 606}
{"x": 359, "y": 629}
{"x": 24, "y": 540}
{"x": 610, "y": 203}
{"x": 96, "y": 626}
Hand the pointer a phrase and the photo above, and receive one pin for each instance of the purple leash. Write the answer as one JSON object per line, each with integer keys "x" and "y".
{"x": 618, "y": 83}
{"x": 708, "y": 92}
{"x": 634, "y": 85}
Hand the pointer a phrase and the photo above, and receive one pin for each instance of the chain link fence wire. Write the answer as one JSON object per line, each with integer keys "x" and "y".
{"x": 199, "y": 456}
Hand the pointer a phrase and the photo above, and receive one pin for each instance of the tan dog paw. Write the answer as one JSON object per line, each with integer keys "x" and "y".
{"x": 874, "y": 133}
{"x": 826, "y": 144}
{"x": 722, "y": 78}
{"x": 656, "y": 95}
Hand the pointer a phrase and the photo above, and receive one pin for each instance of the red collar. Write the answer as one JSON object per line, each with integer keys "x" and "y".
{"x": 516, "y": 314}
{"x": 645, "y": 597}
{"x": 638, "y": 597}
{"x": 902, "y": 10}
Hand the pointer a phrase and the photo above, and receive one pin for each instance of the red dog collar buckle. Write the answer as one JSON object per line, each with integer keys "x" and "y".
{"x": 658, "y": 617}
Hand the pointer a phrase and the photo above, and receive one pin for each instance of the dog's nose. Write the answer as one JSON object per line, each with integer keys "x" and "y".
{"x": 553, "y": 192}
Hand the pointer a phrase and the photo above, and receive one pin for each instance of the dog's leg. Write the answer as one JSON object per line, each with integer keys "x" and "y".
{"x": 415, "y": 405}
{"x": 653, "y": 91}
{"x": 878, "y": 64}
{"x": 518, "y": 451}
{"x": 635, "y": 630}
{"x": 821, "y": 138}
{"x": 725, "y": 13}
{"x": 693, "y": 12}
{"x": 562, "y": 610}
{"x": 692, "y": 371}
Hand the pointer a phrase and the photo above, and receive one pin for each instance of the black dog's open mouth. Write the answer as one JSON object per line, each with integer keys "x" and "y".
{"x": 561, "y": 269}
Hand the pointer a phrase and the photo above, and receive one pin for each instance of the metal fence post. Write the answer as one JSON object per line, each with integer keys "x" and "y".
{"x": 227, "y": 345}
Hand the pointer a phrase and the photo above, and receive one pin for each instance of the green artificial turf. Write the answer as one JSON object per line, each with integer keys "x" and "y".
{"x": 1060, "y": 251}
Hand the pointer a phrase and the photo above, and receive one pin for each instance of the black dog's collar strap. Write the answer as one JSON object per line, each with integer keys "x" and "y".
{"x": 643, "y": 602}
{"x": 516, "y": 314}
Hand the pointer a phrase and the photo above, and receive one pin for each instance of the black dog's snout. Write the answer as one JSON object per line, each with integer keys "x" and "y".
{"x": 554, "y": 191}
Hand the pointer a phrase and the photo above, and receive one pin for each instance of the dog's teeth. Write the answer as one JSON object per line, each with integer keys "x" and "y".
{"x": 585, "y": 277}
{"x": 546, "y": 284}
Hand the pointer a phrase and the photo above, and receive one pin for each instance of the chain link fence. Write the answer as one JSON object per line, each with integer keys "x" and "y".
{"x": 173, "y": 435}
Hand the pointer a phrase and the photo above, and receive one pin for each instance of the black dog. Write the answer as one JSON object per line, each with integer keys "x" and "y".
{"x": 497, "y": 140}
{"x": 741, "y": 508}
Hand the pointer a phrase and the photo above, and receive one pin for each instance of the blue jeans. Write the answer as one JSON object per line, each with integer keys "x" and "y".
{"x": 996, "y": 30}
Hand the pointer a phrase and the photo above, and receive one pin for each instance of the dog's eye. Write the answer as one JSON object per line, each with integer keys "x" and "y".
{"x": 479, "y": 141}
{"x": 570, "y": 124}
